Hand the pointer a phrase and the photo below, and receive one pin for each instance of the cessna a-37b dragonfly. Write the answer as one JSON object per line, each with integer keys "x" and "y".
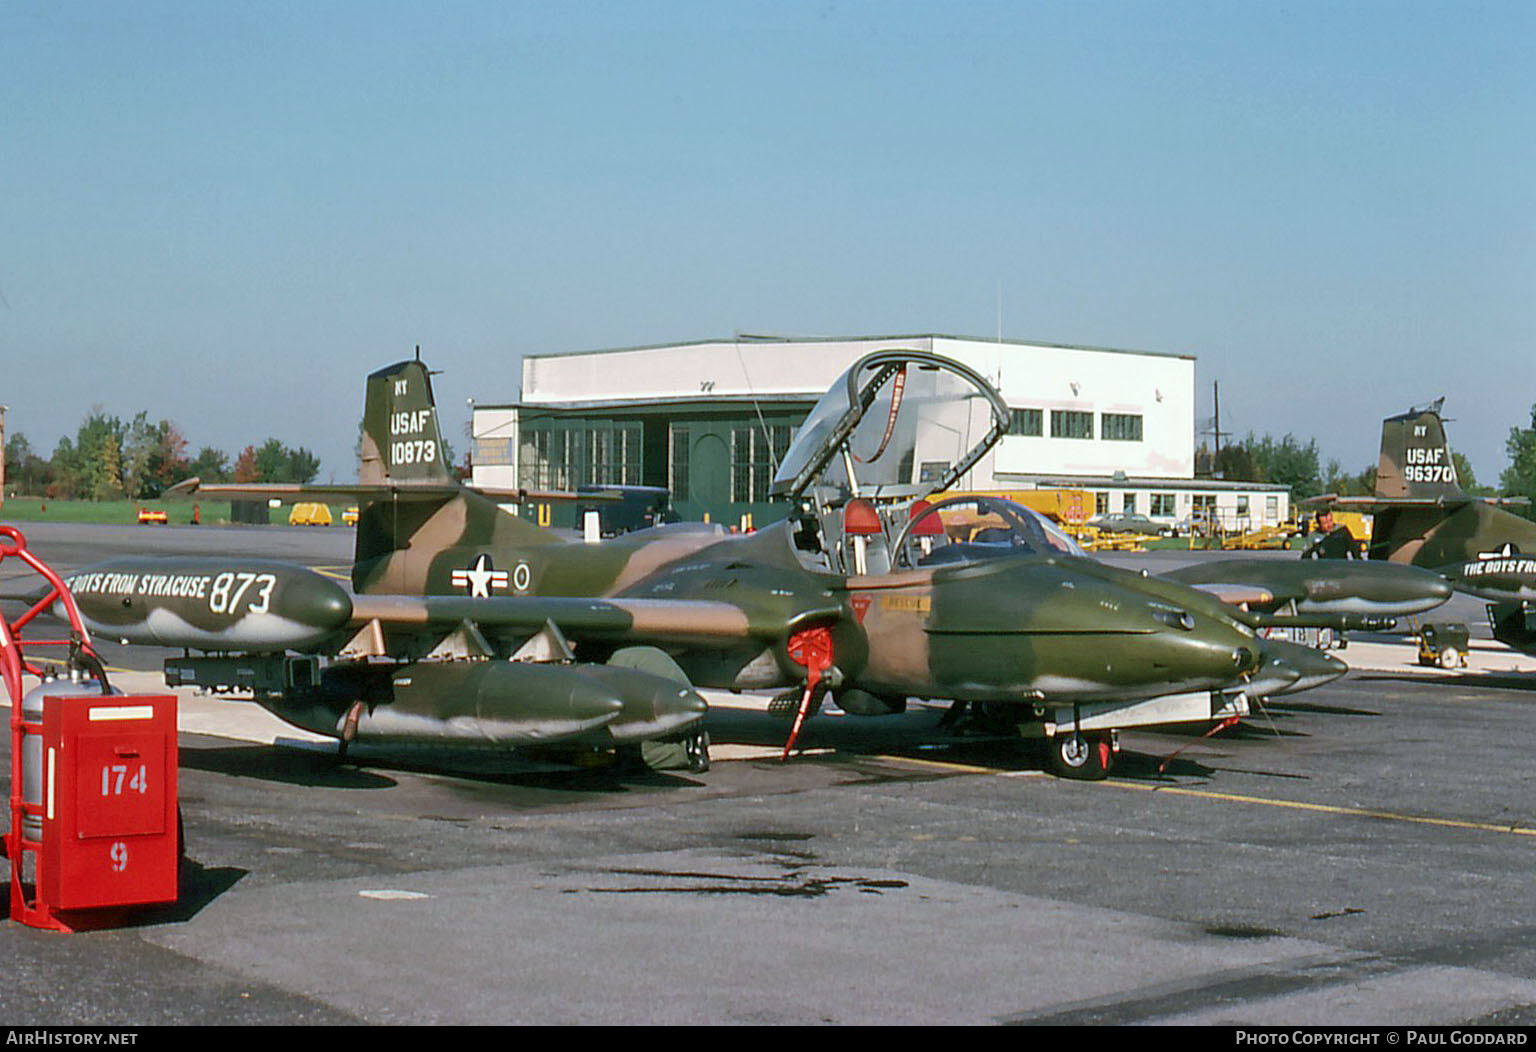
{"x": 467, "y": 624}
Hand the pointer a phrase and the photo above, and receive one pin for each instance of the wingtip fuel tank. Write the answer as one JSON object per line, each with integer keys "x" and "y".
{"x": 210, "y": 603}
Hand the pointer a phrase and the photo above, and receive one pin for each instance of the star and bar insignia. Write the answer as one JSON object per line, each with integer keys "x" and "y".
{"x": 480, "y": 578}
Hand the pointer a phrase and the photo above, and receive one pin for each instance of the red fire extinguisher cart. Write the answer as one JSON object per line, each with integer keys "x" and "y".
{"x": 93, "y": 778}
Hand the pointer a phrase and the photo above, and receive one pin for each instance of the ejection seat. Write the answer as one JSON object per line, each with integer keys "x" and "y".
{"x": 864, "y": 546}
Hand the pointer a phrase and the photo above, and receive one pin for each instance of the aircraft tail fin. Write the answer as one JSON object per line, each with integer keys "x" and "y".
{"x": 420, "y": 508}
{"x": 401, "y": 442}
{"x": 1416, "y": 460}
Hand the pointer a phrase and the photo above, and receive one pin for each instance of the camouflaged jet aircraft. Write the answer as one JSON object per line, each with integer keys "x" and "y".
{"x": 1424, "y": 518}
{"x": 466, "y": 623}
{"x": 1271, "y": 593}
{"x": 1319, "y": 593}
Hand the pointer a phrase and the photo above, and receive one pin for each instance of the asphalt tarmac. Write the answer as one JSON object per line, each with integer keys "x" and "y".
{"x": 1361, "y": 854}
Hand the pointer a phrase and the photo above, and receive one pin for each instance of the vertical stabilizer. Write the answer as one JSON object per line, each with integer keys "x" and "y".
{"x": 1415, "y": 457}
{"x": 401, "y": 443}
{"x": 426, "y": 512}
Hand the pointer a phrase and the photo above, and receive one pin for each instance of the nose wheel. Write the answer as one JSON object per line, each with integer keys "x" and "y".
{"x": 1083, "y": 755}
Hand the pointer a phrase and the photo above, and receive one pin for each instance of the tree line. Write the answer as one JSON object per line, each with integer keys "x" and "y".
{"x": 113, "y": 459}
{"x": 1290, "y": 462}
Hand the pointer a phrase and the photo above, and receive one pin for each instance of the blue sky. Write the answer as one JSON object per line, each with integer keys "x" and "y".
{"x": 227, "y": 214}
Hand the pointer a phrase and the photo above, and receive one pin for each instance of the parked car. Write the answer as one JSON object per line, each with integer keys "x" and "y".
{"x": 1130, "y": 522}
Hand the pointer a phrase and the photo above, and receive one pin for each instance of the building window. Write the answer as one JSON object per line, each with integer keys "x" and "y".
{"x": 538, "y": 468}
{"x": 755, "y": 451}
{"x": 1203, "y": 510}
{"x": 1271, "y": 509}
{"x": 1070, "y": 423}
{"x": 678, "y": 459}
{"x": 1162, "y": 504}
{"x": 568, "y": 454}
{"x": 1026, "y": 422}
{"x": 1128, "y": 504}
{"x": 1101, "y": 503}
{"x": 1121, "y": 427}
{"x": 489, "y": 451}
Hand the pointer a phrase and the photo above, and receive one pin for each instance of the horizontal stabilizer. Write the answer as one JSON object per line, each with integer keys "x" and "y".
{"x": 430, "y": 490}
{"x": 1378, "y": 505}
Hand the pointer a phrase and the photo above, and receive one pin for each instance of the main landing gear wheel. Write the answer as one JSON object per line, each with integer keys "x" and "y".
{"x": 1086, "y": 757}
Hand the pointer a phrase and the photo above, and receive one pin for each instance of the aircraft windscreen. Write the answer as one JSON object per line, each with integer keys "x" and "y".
{"x": 896, "y": 424}
{"x": 969, "y": 529}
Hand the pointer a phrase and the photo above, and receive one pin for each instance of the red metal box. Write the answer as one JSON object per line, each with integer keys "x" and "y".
{"x": 109, "y": 820}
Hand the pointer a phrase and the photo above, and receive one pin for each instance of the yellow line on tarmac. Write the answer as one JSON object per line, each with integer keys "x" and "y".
{"x": 1327, "y": 809}
{"x": 959, "y": 768}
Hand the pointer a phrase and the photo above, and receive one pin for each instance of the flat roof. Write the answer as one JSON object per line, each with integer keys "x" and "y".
{"x": 728, "y": 401}
{"x": 756, "y": 338}
{"x": 1001, "y": 479}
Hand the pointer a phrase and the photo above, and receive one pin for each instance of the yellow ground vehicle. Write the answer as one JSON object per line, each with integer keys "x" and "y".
{"x": 309, "y": 513}
{"x": 1069, "y": 508}
{"x": 1066, "y": 507}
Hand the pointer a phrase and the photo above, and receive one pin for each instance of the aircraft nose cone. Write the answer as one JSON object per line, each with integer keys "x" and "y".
{"x": 1203, "y": 651}
{"x": 1290, "y": 668}
{"x": 318, "y": 602}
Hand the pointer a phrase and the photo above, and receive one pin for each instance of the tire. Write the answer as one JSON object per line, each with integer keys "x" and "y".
{"x": 690, "y": 753}
{"x": 1082, "y": 757}
{"x": 1450, "y": 658}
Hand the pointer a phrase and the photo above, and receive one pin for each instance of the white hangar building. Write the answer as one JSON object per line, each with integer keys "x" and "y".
{"x": 709, "y": 420}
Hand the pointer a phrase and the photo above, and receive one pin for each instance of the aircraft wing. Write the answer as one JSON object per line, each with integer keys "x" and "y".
{"x": 1377, "y": 505}
{"x": 241, "y": 605}
{"x": 396, "y": 491}
{"x": 1237, "y": 594}
{"x": 695, "y": 622}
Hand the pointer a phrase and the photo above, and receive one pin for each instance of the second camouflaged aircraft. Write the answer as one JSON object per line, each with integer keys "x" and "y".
{"x": 468, "y": 624}
{"x": 1424, "y": 518}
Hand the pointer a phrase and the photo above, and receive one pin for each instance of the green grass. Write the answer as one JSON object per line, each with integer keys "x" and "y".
{"x": 126, "y": 512}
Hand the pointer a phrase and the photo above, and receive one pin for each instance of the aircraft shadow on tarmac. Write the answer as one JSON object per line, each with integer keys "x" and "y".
{"x": 1287, "y": 709}
{"x": 1133, "y": 766}
{"x": 1491, "y": 680}
{"x": 370, "y": 767}
{"x": 291, "y": 766}
{"x": 918, "y": 735}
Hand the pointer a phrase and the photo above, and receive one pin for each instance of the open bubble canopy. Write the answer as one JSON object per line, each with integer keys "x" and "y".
{"x": 898, "y": 424}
